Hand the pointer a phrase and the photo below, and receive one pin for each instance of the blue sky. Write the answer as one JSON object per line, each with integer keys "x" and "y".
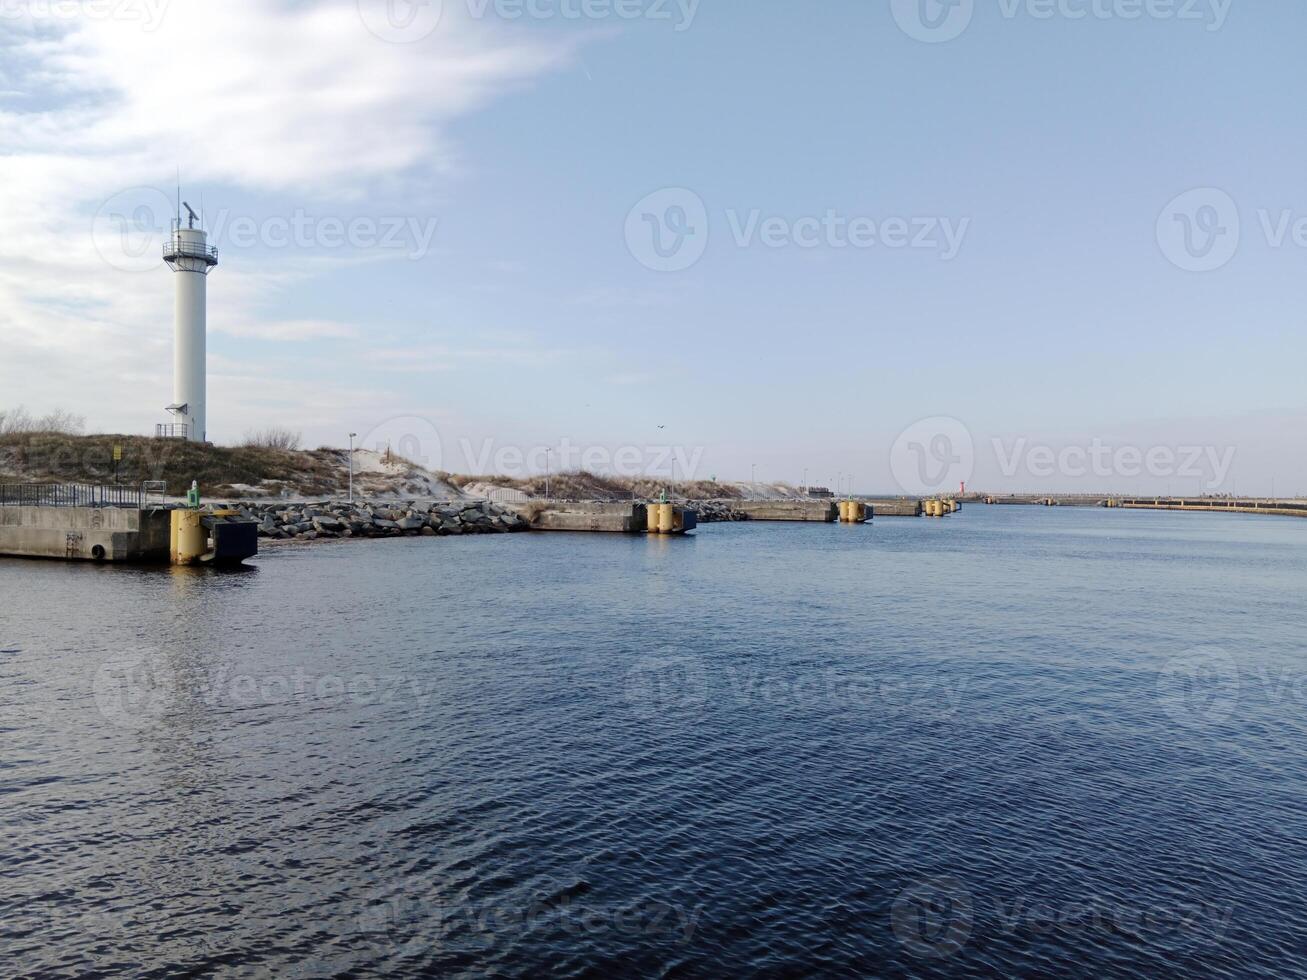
{"x": 1052, "y": 145}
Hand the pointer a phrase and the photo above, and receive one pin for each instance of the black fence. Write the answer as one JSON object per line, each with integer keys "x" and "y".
{"x": 70, "y": 495}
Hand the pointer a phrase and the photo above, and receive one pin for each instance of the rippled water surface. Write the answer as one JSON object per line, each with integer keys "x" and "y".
{"x": 1020, "y": 740}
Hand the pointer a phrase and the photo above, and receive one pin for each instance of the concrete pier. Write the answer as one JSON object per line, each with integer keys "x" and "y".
{"x": 820, "y": 511}
{"x": 111, "y": 534}
{"x": 1041, "y": 499}
{"x": 894, "y": 506}
{"x": 1277, "y": 508}
{"x": 616, "y": 518}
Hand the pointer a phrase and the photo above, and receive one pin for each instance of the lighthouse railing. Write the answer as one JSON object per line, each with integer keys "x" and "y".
{"x": 180, "y": 248}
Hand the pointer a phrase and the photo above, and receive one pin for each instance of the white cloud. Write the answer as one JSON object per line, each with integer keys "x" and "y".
{"x": 258, "y": 96}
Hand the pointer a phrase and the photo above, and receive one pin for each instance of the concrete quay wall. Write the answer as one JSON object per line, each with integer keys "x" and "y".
{"x": 114, "y": 534}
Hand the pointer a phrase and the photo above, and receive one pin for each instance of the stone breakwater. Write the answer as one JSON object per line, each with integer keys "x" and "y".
{"x": 716, "y": 511}
{"x": 310, "y": 522}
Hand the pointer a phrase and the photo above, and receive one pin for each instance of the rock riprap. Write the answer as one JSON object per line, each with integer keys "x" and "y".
{"x": 716, "y": 511}
{"x": 309, "y": 522}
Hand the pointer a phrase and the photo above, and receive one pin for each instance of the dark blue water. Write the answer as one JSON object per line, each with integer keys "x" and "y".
{"x": 1018, "y": 741}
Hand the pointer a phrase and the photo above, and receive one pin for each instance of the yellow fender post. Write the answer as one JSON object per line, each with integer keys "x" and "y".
{"x": 666, "y": 518}
{"x": 189, "y": 538}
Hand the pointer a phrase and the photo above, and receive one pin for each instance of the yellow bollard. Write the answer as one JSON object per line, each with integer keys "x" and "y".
{"x": 190, "y": 539}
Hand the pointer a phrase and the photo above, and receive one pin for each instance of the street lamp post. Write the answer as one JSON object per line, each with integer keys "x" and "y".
{"x": 548, "y": 454}
{"x": 352, "y": 437}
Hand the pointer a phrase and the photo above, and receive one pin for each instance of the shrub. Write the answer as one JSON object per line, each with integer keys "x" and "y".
{"x": 273, "y": 437}
{"x": 18, "y": 421}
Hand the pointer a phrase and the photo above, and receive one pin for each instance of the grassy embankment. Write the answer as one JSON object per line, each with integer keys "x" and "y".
{"x": 43, "y": 457}
{"x": 580, "y": 485}
{"x": 230, "y": 471}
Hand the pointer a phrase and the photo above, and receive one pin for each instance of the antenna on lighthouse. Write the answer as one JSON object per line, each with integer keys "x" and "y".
{"x": 193, "y": 216}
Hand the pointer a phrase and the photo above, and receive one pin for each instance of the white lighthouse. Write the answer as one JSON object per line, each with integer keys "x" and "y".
{"x": 190, "y": 257}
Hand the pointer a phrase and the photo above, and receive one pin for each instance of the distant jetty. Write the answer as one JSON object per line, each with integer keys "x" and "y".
{"x": 1264, "y": 506}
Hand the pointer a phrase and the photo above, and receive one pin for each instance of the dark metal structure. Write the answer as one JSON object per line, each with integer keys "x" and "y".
{"x": 70, "y": 495}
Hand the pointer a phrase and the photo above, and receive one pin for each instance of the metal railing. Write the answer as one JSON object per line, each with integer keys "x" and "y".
{"x": 70, "y": 495}
{"x": 507, "y": 495}
{"x": 152, "y": 489}
{"x": 171, "y": 430}
{"x": 180, "y": 248}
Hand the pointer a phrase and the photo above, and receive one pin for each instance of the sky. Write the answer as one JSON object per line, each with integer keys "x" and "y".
{"x": 880, "y": 245}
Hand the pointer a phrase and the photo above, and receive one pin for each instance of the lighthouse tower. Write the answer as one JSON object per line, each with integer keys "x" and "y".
{"x": 190, "y": 257}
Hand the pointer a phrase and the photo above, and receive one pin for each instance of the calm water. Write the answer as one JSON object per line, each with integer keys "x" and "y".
{"x": 1025, "y": 741}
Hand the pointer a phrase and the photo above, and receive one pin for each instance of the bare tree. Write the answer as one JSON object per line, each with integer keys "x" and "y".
{"x": 62, "y": 421}
{"x": 19, "y": 421}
